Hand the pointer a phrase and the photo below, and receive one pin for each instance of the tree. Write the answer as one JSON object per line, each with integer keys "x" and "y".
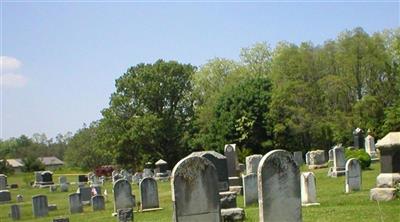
{"x": 150, "y": 113}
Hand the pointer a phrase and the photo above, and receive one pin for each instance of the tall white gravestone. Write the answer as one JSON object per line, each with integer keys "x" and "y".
{"x": 195, "y": 191}
{"x": 370, "y": 146}
{"x": 279, "y": 195}
{"x": 252, "y": 163}
{"x": 308, "y": 189}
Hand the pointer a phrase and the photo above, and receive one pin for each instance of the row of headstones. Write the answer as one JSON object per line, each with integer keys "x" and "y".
{"x": 195, "y": 188}
{"x": 123, "y": 199}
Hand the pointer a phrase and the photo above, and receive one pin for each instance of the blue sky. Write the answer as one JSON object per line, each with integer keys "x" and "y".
{"x": 60, "y": 60}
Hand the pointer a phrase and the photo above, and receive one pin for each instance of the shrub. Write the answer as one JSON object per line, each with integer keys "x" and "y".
{"x": 360, "y": 155}
{"x": 5, "y": 168}
{"x": 32, "y": 164}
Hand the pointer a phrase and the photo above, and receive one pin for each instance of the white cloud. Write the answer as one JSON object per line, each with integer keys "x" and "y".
{"x": 9, "y": 63}
{"x": 10, "y": 78}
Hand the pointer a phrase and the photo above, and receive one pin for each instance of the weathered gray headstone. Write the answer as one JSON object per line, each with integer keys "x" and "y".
{"x": 308, "y": 189}
{"x": 232, "y": 160}
{"x": 339, "y": 162}
{"x": 86, "y": 194}
{"x": 3, "y": 182}
{"x": 298, "y": 157}
{"x": 250, "y": 189}
{"x": 161, "y": 168}
{"x": 353, "y": 175}
{"x": 149, "y": 193}
{"x": 279, "y": 195}
{"x": 389, "y": 178}
{"x": 316, "y": 159}
{"x": 98, "y": 203}
{"x": 252, "y": 163}
{"x": 75, "y": 203}
{"x": 195, "y": 191}
{"x": 220, "y": 164}
{"x": 40, "y": 207}
{"x": 308, "y": 158}
{"x": 64, "y": 187}
{"x": 148, "y": 169}
{"x": 62, "y": 180}
{"x": 125, "y": 215}
{"x": 52, "y": 188}
{"x": 123, "y": 197}
{"x": 15, "y": 212}
{"x": 5, "y": 196}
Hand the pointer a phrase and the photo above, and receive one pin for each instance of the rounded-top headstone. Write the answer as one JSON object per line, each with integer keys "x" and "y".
{"x": 279, "y": 195}
{"x": 195, "y": 190}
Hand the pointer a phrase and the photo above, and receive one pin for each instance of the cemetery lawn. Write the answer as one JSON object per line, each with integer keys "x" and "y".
{"x": 335, "y": 204}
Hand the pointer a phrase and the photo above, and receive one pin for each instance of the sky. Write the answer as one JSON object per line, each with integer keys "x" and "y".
{"x": 59, "y": 60}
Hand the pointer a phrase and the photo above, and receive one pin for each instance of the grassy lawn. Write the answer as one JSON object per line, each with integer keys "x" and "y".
{"x": 335, "y": 204}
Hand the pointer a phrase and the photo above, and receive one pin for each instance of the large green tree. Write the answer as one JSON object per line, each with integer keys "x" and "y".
{"x": 150, "y": 113}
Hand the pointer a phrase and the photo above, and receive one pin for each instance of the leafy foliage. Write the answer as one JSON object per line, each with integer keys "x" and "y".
{"x": 31, "y": 163}
{"x": 360, "y": 155}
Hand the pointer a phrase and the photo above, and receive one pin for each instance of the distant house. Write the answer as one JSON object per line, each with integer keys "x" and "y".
{"x": 16, "y": 164}
{"x": 51, "y": 162}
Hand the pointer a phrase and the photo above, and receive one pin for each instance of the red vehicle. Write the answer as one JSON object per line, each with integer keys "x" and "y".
{"x": 104, "y": 170}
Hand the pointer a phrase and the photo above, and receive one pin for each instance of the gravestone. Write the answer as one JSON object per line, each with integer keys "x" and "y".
{"x": 98, "y": 203}
{"x": 148, "y": 169}
{"x": 250, "y": 189}
{"x": 339, "y": 162}
{"x": 298, "y": 157}
{"x": 195, "y": 190}
{"x": 52, "y": 207}
{"x": 389, "y": 178}
{"x": 227, "y": 199}
{"x": 47, "y": 178}
{"x": 86, "y": 194}
{"x": 148, "y": 193}
{"x": 64, "y": 187}
{"x": 353, "y": 175}
{"x": 52, "y": 188}
{"x": 370, "y": 146}
{"x": 220, "y": 164}
{"x": 161, "y": 170}
{"x": 40, "y": 206}
{"x": 330, "y": 154}
{"x": 5, "y": 196}
{"x": 20, "y": 198}
{"x": 308, "y": 158}
{"x": 232, "y": 160}
{"x": 358, "y": 136}
{"x": 123, "y": 197}
{"x": 316, "y": 159}
{"x": 62, "y": 180}
{"x": 125, "y": 215}
{"x": 137, "y": 177}
{"x": 75, "y": 203}
{"x": 82, "y": 179}
{"x": 279, "y": 195}
{"x": 308, "y": 189}
{"x": 15, "y": 212}
{"x": 3, "y": 182}
{"x": 252, "y": 163}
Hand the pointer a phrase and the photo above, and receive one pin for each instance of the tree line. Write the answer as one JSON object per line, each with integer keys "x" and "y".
{"x": 293, "y": 97}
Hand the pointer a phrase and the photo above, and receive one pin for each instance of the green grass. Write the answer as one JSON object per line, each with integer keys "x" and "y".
{"x": 335, "y": 204}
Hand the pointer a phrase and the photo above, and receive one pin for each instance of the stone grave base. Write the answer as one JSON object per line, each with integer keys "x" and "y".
{"x": 236, "y": 189}
{"x": 313, "y": 167}
{"x": 382, "y": 194}
{"x": 374, "y": 160}
{"x": 228, "y": 199}
{"x": 151, "y": 209}
{"x": 310, "y": 204}
{"x": 235, "y": 181}
{"x": 336, "y": 172}
{"x": 232, "y": 214}
{"x": 387, "y": 180}
{"x": 42, "y": 185}
{"x": 52, "y": 207}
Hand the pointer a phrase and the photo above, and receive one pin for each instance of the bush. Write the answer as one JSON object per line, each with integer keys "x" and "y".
{"x": 32, "y": 164}
{"x": 360, "y": 155}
